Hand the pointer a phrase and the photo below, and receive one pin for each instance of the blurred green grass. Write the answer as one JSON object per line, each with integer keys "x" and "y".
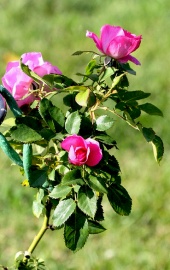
{"x": 57, "y": 29}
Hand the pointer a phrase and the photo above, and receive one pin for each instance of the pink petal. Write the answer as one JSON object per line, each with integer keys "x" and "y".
{"x": 20, "y": 89}
{"x": 78, "y": 156}
{"x": 18, "y": 84}
{"x": 117, "y": 43}
{"x": 129, "y": 58}
{"x": 46, "y": 68}
{"x": 26, "y": 100}
{"x": 15, "y": 76}
{"x": 73, "y": 140}
{"x": 95, "y": 154}
{"x": 72, "y": 154}
{"x": 55, "y": 70}
{"x": 11, "y": 65}
{"x": 95, "y": 39}
{"x": 136, "y": 39}
{"x": 108, "y": 33}
{"x": 121, "y": 46}
{"x": 32, "y": 59}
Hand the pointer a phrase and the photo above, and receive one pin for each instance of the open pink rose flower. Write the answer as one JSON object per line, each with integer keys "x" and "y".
{"x": 19, "y": 84}
{"x": 82, "y": 151}
{"x": 116, "y": 43}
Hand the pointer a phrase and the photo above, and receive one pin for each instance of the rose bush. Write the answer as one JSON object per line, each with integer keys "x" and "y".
{"x": 78, "y": 119}
{"x": 19, "y": 84}
{"x": 82, "y": 151}
{"x": 116, "y": 43}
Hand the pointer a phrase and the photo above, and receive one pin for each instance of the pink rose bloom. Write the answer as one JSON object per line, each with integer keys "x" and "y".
{"x": 81, "y": 151}
{"x": 116, "y": 43}
{"x": 19, "y": 84}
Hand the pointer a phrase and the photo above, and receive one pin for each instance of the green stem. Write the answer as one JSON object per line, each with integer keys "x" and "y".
{"x": 41, "y": 232}
{"x": 129, "y": 121}
{"x": 112, "y": 111}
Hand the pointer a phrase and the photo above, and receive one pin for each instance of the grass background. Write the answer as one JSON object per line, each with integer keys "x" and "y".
{"x": 57, "y": 29}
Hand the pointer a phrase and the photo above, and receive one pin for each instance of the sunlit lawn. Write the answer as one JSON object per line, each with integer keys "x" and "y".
{"x": 57, "y": 29}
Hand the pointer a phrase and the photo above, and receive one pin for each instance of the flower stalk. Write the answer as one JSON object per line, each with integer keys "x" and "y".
{"x": 41, "y": 232}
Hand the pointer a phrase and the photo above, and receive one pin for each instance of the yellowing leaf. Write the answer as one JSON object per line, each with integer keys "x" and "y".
{"x": 82, "y": 97}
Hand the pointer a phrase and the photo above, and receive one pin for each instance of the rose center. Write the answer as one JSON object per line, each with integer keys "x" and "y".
{"x": 81, "y": 154}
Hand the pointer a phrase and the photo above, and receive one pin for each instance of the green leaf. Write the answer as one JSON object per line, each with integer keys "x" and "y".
{"x": 117, "y": 80}
{"x": 133, "y": 111}
{"x": 132, "y": 95}
{"x": 85, "y": 98}
{"x": 37, "y": 208}
{"x": 60, "y": 192}
{"x": 9, "y": 122}
{"x": 72, "y": 124}
{"x": 135, "y": 95}
{"x": 90, "y": 67}
{"x": 69, "y": 101}
{"x": 76, "y": 188}
{"x": 76, "y": 88}
{"x": 104, "y": 122}
{"x": 87, "y": 201}
{"x": 148, "y": 134}
{"x": 31, "y": 264}
{"x": 95, "y": 227}
{"x": 86, "y": 127}
{"x": 93, "y": 77}
{"x": 111, "y": 164}
{"x": 97, "y": 183}
{"x": 62, "y": 169}
{"x": 129, "y": 119}
{"x": 58, "y": 116}
{"x": 158, "y": 148}
{"x": 107, "y": 73}
{"x": 40, "y": 195}
{"x": 44, "y": 110}
{"x": 119, "y": 199}
{"x": 27, "y": 129}
{"x": 76, "y": 231}
{"x": 36, "y": 177}
{"x": 121, "y": 106}
{"x": 52, "y": 175}
{"x": 151, "y": 109}
{"x": 31, "y": 73}
{"x": 81, "y": 52}
{"x": 63, "y": 211}
{"x": 82, "y": 97}
{"x": 10, "y": 101}
{"x": 99, "y": 216}
{"x": 127, "y": 68}
{"x": 78, "y": 52}
{"x": 36, "y": 264}
{"x": 58, "y": 81}
{"x": 73, "y": 177}
{"x": 9, "y": 151}
{"x": 25, "y": 134}
{"x": 106, "y": 139}
{"x": 47, "y": 134}
{"x": 29, "y": 121}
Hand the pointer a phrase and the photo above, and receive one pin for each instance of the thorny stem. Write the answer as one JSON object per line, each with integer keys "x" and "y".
{"x": 112, "y": 111}
{"x": 133, "y": 124}
{"x": 41, "y": 232}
